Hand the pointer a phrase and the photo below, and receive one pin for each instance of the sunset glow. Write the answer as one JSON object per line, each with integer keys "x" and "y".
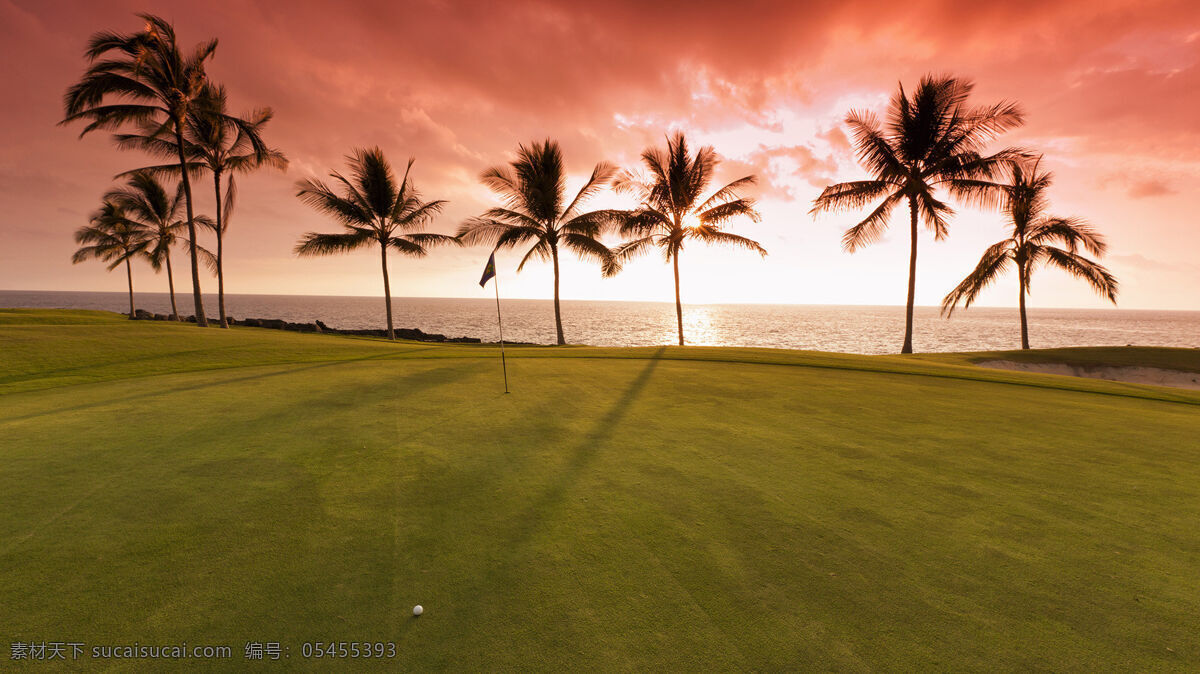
{"x": 1110, "y": 91}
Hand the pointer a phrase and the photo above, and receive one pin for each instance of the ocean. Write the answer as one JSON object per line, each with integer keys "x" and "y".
{"x": 851, "y": 329}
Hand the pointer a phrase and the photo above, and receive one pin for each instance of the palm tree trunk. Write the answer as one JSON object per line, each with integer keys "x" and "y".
{"x": 201, "y": 321}
{"x": 387, "y": 291}
{"x": 678, "y": 304}
{"x": 1021, "y": 273}
{"x": 912, "y": 279}
{"x": 557, "y": 310}
{"x": 129, "y": 277}
{"x": 171, "y": 286}
{"x": 220, "y": 252}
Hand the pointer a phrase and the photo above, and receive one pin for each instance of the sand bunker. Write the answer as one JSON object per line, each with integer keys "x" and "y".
{"x": 1155, "y": 376}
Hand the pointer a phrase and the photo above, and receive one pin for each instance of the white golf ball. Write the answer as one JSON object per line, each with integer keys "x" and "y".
{"x": 417, "y": 610}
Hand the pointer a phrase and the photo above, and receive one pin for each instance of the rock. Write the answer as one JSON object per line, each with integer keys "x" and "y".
{"x": 160, "y": 317}
{"x": 143, "y": 315}
{"x": 190, "y": 319}
{"x": 318, "y": 326}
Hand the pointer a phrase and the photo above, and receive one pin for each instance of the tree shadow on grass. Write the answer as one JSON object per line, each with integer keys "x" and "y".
{"x": 528, "y": 523}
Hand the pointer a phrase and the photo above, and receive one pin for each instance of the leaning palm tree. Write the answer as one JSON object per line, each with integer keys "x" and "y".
{"x": 931, "y": 140}
{"x": 113, "y": 238}
{"x": 374, "y": 209}
{"x": 143, "y": 78}
{"x": 1032, "y": 244}
{"x": 536, "y": 210}
{"x": 673, "y": 210}
{"x": 220, "y": 143}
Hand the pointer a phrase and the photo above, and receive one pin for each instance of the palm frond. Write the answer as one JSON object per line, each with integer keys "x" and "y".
{"x": 729, "y": 210}
{"x": 601, "y": 175}
{"x": 631, "y": 182}
{"x": 587, "y": 248}
{"x": 728, "y": 192}
{"x": 313, "y": 243}
{"x": 595, "y": 223}
{"x": 430, "y": 239}
{"x": 872, "y": 147}
{"x": 405, "y": 245}
{"x": 643, "y": 221}
{"x": 511, "y": 217}
{"x": 872, "y": 227}
{"x": 347, "y": 211}
{"x": 1096, "y": 275}
{"x": 488, "y": 231}
{"x": 636, "y": 247}
{"x": 934, "y": 214}
{"x": 418, "y": 214}
{"x": 1073, "y": 232}
{"x": 540, "y": 251}
{"x": 711, "y": 235}
{"x": 995, "y": 261}
{"x": 195, "y": 170}
{"x": 850, "y": 195}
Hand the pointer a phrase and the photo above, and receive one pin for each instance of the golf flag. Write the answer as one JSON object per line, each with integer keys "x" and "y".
{"x": 489, "y": 271}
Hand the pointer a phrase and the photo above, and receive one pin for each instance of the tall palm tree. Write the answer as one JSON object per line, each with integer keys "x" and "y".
{"x": 113, "y": 238}
{"x": 932, "y": 139}
{"x": 536, "y": 210}
{"x": 373, "y": 208}
{"x": 1032, "y": 244}
{"x": 147, "y": 203}
{"x": 220, "y": 143}
{"x": 140, "y": 78}
{"x": 673, "y": 210}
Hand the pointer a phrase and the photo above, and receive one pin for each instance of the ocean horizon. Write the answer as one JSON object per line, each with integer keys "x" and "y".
{"x": 843, "y": 328}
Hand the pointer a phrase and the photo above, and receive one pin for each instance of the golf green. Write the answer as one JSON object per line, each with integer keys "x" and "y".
{"x": 681, "y": 508}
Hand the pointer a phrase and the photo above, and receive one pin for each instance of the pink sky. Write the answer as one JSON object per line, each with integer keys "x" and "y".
{"x": 1111, "y": 90}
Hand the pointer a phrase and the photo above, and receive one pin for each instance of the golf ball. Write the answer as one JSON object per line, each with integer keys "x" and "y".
{"x": 417, "y": 610}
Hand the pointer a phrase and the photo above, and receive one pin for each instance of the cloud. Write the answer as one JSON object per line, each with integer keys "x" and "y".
{"x": 782, "y": 169}
{"x": 459, "y": 85}
{"x": 1142, "y": 189}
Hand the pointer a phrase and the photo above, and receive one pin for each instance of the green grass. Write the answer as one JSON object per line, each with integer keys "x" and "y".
{"x": 622, "y": 509}
{"x": 1186, "y": 360}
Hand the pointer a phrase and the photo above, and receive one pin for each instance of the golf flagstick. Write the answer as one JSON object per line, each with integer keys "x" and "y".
{"x": 500, "y": 324}
{"x": 489, "y": 274}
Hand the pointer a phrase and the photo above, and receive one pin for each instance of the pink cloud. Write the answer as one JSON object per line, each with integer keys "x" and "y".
{"x": 459, "y": 84}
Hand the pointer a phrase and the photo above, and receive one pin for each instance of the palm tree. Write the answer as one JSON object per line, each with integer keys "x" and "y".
{"x": 672, "y": 209}
{"x": 111, "y": 237}
{"x": 1031, "y": 244}
{"x": 932, "y": 139}
{"x": 221, "y": 144}
{"x": 145, "y": 78}
{"x": 148, "y": 204}
{"x": 536, "y": 210}
{"x": 372, "y": 208}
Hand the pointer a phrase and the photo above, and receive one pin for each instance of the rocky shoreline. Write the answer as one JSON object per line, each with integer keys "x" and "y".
{"x": 318, "y": 327}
